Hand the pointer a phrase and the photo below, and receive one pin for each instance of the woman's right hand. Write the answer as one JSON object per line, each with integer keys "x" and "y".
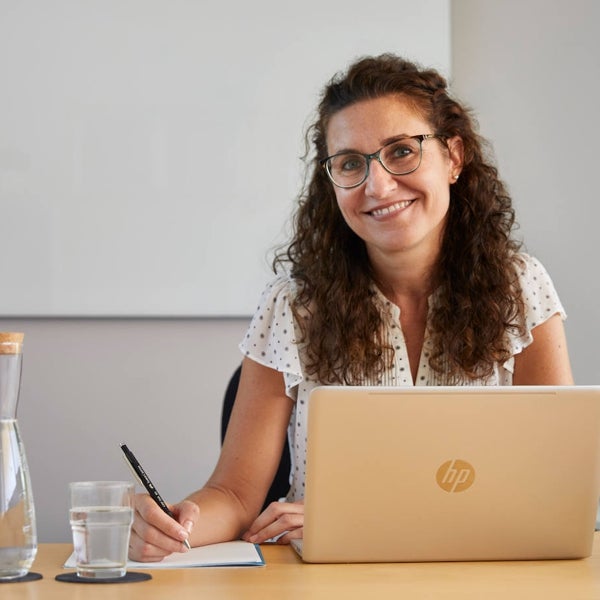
{"x": 154, "y": 534}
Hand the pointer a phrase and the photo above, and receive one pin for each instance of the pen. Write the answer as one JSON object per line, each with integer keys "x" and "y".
{"x": 144, "y": 480}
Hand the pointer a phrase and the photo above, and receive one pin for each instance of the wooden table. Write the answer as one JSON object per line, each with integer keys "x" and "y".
{"x": 286, "y": 577}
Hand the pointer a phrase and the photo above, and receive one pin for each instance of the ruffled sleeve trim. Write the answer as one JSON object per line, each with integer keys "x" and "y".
{"x": 271, "y": 337}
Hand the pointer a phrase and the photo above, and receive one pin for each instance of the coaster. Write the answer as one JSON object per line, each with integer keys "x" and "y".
{"x": 29, "y": 577}
{"x": 129, "y": 577}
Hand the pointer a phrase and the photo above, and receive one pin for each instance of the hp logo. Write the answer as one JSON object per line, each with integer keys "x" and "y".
{"x": 455, "y": 475}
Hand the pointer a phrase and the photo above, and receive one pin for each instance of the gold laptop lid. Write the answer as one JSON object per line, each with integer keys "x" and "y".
{"x": 451, "y": 473}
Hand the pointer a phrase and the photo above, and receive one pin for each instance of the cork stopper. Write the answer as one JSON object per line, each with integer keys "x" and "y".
{"x": 11, "y": 343}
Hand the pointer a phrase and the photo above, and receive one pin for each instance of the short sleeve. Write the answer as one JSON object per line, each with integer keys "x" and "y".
{"x": 541, "y": 302}
{"x": 271, "y": 337}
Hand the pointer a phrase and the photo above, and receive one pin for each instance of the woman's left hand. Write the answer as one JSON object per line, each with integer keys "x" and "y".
{"x": 281, "y": 520}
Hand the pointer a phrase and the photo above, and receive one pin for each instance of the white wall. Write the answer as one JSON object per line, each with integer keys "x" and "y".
{"x": 531, "y": 71}
{"x": 146, "y": 141}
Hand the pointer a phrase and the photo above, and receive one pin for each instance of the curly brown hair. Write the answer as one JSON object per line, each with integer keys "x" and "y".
{"x": 479, "y": 297}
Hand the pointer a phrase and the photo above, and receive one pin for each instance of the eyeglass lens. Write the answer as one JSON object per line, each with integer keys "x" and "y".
{"x": 399, "y": 157}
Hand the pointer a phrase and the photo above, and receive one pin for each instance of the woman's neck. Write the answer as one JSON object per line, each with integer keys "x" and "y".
{"x": 404, "y": 276}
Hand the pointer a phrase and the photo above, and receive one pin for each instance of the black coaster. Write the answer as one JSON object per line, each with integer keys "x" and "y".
{"x": 29, "y": 577}
{"x": 129, "y": 577}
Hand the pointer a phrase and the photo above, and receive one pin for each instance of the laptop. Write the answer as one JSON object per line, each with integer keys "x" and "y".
{"x": 451, "y": 473}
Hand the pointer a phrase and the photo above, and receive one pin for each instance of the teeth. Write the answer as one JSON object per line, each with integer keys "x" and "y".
{"x": 390, "y": 209}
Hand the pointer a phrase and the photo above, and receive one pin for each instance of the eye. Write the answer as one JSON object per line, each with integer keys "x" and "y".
{"x": 400, "y": 150}
{"x": 349, "y": 163}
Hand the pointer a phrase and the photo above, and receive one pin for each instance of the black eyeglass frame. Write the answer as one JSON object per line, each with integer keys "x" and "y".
{"x": 324, "y": 162}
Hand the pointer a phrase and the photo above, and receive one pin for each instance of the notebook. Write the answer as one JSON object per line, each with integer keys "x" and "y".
{"x": 451, "y": 473}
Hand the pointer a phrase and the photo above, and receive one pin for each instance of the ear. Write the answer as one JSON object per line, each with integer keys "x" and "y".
{"x": 455, "y": 157}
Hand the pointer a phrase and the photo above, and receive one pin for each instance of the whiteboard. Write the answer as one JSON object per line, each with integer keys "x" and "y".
{"x": 150, "y": 150}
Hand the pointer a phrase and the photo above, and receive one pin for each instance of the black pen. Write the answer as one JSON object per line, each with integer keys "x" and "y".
{"x": 144, "y": 480}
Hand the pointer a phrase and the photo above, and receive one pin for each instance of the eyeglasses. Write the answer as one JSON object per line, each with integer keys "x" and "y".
{"x": 400, "y": 157}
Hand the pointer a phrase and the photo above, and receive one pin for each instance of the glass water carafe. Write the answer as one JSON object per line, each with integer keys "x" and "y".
{"x": 18, "y": 539}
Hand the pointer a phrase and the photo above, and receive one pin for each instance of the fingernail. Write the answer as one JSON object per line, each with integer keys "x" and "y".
{"x": 188, "y": 526}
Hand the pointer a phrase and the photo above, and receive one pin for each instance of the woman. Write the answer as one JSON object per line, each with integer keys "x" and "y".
{"x": 402, "y": 271}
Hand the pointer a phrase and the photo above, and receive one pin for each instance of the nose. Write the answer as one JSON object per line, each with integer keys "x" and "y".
{"x": 379, "y": 182}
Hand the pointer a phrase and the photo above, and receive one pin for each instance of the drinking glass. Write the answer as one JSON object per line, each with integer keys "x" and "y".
{"x": 101, "y": 513}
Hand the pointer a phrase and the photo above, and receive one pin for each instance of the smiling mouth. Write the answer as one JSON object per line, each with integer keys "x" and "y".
{"x": 393, "y": 208}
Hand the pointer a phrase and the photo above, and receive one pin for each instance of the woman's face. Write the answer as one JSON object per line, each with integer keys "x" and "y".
{"x": 394, "y": 213}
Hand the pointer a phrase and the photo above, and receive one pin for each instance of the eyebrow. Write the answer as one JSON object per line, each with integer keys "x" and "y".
{"x": 384, "y": 142}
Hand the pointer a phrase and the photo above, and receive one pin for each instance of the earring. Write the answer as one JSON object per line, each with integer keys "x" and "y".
{"x": 455, "y": 177}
